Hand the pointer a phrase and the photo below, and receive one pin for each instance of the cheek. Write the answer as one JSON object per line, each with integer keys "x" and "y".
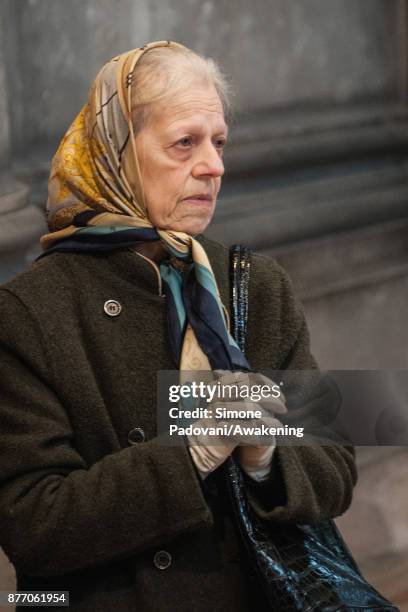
{"x": 173, "y": 187}
{"x": 175, "y": 183}
{"x": 163, "y": 195}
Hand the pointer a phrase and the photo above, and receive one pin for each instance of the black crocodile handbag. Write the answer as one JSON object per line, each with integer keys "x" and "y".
{"x": 299, "y": 567}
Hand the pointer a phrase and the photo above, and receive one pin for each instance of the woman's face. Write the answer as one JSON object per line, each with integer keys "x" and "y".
{"x": 180, "y": 155}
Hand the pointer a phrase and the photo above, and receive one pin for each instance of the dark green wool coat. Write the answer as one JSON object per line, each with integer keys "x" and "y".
{"x": 85, "y": 511}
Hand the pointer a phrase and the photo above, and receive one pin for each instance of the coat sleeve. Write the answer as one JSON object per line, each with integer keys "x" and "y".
{"x": 311, "y": 482}
{"x": 58, "y": 514}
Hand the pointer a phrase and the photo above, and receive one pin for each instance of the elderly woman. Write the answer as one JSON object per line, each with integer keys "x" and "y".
{"x": 91, "y": 501}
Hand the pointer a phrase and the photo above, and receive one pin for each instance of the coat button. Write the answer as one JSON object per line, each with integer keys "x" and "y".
{"x": 136, "y": 435}
{"x": 112, "y": 308}
{"x": 162, "y": 559}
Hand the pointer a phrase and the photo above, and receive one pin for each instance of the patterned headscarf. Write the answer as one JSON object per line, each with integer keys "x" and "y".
{"x": 96, "y": 202}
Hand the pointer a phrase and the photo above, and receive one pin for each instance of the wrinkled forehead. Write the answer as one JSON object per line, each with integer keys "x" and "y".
{"x": 199, "y": 103}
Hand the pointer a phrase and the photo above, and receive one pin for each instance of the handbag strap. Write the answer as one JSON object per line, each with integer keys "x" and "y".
{"x": 323, "y": 536}
{"x": 240, "y": 268}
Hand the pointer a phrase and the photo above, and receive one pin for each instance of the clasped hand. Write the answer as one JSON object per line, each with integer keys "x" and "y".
{"x": 255, "y": 452}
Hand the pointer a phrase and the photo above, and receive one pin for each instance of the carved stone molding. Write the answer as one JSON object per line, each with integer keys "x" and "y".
{"x": 348, "y": 260}
{"x": 268, "y": 214}
{"x": 277, "y": 139}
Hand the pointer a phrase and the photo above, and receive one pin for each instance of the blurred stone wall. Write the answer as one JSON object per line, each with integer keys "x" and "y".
{"x": 277, "y": 52}
{"x": 317, "y": 174}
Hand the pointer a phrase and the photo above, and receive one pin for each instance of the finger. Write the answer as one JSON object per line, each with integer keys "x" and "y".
{"x": 274, "y": 406}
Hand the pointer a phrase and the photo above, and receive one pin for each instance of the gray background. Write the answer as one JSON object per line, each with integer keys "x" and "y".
{"x": 316, "y": 175}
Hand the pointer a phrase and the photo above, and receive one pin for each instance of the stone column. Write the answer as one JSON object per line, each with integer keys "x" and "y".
{"x": 20, "y": 223}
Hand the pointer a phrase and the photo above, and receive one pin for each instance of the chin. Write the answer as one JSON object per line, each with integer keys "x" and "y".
{"x": 192, "y": 226}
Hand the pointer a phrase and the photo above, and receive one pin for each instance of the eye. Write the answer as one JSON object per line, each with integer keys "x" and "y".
{"x": 185, "y": 142}
{"x": 220, "y": 143}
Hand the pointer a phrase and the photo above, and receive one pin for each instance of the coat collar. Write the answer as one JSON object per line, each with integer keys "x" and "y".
{"x": 138, "y": 270}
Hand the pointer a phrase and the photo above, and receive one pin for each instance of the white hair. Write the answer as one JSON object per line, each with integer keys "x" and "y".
{"x": 163, "y": 72}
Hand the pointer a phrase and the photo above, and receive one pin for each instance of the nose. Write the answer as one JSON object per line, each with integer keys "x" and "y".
{"x": 209, "y": 162}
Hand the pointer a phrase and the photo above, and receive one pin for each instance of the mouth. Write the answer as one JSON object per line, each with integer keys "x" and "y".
{"x": 200, "y": 199}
